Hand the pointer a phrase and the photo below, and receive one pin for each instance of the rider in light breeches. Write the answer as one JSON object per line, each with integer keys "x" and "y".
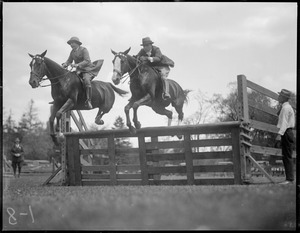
{"x": 157, "y": 60}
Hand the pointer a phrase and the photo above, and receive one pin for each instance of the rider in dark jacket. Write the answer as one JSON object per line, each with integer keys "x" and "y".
{"x": 81, "y": 58}
{"x": 156, "y": 59}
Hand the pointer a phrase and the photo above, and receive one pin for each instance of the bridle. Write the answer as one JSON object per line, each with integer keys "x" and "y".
{"x": 132, "y": 70}
{"x": 40, "y": 76}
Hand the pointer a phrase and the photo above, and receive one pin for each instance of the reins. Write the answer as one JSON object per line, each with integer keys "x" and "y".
{"x": 132, "y": 70}
{"x": 53, "y": 78}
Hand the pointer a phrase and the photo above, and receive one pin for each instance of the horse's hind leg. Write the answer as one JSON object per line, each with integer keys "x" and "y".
{"x": 163, "y": 111}
{"x": 178, "y": 107}
{"x": 98, "y": 119}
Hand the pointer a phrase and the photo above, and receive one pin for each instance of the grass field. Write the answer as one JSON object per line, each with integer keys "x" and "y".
{"x": 27, "y": 205}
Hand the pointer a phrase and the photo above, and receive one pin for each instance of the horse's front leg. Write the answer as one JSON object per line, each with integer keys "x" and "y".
{"x": 128, "y": 122}
{"x": 145, "y": 100}
{"x": 69, "y": 104}
{"x": 51, "y": 124}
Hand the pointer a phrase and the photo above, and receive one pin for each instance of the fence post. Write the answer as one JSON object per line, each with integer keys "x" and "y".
{"x": 153, "y": 151}
{"x": 188, "y": 159}
{"x": 112, "y": 159}
{"x": 143, "y": 159}
{"x": 236, "y": 150}
{"x": 73, "y": 160}
{"x": 243, "y": 115}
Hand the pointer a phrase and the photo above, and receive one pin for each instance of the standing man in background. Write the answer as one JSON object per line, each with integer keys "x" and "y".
{"x": 17, "y": 157}
{"x": 286, "y": 123}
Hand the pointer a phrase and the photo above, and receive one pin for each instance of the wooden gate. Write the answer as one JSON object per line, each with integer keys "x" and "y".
{"x": 161, "y": 156}
{"x": 247, "y": 105}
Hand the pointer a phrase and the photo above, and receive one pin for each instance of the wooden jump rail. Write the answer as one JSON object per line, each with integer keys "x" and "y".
{"x": 151, "y": 151}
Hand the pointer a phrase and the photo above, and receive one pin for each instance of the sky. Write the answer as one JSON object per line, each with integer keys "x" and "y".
{"x": 210, "y": 43}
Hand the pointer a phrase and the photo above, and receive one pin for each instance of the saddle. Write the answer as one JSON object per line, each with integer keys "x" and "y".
{"x": 92, "y": 70}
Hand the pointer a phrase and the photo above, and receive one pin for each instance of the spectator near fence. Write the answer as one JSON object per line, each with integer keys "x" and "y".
{"x": 17, "y": 158}
{"x": 286, "y": 123}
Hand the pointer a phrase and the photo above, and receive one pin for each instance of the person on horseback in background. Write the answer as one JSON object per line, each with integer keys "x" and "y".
{"x": 153, "y": 56}
{"x": 81, "y": 58}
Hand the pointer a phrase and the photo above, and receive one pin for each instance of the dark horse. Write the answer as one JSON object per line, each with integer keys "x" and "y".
{"x": 68, "y": 92}
{"x": 146, "y": 88}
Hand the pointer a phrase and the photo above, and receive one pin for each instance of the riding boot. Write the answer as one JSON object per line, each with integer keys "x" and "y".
{"x": 166, "y": 94}
{"x": 88, "y": 103}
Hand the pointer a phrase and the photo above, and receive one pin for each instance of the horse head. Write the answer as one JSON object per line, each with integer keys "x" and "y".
{"x": 120, "y": 66}
{"x": 38, "y": 69}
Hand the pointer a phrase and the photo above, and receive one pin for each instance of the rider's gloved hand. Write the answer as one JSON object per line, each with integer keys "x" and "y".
{"x": 74, "y": 65}
{"x": 143, "y": 58}
{"x": 150, "y": 59}
{"x": 64, "y": 65}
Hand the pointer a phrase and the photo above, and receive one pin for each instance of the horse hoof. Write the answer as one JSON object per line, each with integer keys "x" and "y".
{"x": 99, "y": 122}
{"x": 132, "y": 130}
{"x": 137, "y": 125}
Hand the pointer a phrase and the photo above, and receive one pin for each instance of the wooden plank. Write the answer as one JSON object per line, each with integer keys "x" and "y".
{"x": 95, "y": 177}
{"x": 260, "y": 168}
{"x": 143, "y": 161}
{"x": 168, "y": 182}
{"x": 213, "y": 168}
{"x": 235, "y": 133}
{"x": 129, "y": 177}
{"x": 94, "y": 151}
{"x": 112, "y": 159}
{"x": 107, "y": 176}
{"x": 82, "y": 120}
{"x": 243, "y": 108}
{"x": 214, "y": 181}
{"x": 262, "y": 90}
{"x": 164, "y": 145}
{"x": 166, "y": 170}
{"x": 213, "y": 155}
{"x": 96, "y": 168}
{"x": 132, "y": 151}
{"x": 268, "y": 151}
{"x": 246, "y": 143}
{"x": 52, "y": 176}
{"x": 203, "y": 181}
{"x": 77, "y": 123}
{"x": 161, "y": 157}
{"x": 243, "y": 135}
{"x": 129, "y": 167}
{"x": 211, "y": 142}
{"x": 263, "y": 108}
{"x": 263, "y": 126}
{"x": 188, "y": 159}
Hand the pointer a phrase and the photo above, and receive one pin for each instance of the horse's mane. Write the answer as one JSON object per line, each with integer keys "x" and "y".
{"x": 54, "y": 65}
{"x": 133, "y": 60}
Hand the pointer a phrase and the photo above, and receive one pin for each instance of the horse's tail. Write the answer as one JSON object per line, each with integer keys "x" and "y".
{"x": 186, "y": 92}
{"x": 118, "y": 90}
